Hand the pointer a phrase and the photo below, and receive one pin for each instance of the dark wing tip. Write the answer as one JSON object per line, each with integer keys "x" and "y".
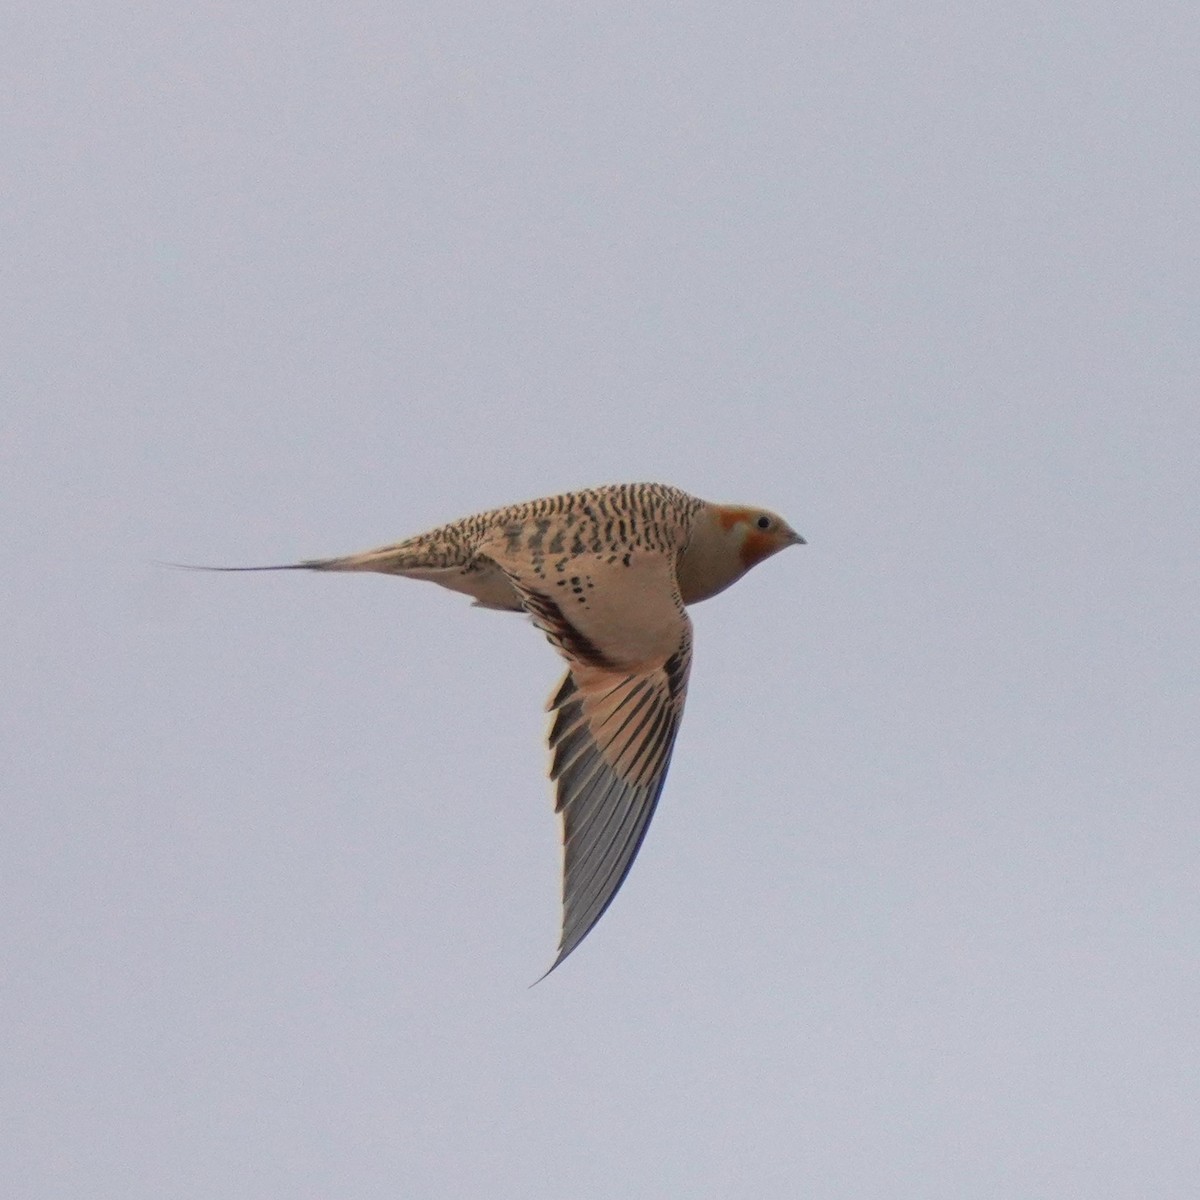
{"x": 601, "y": 897}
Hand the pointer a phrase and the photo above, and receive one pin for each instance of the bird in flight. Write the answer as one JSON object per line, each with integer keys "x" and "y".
{"x": 606, "y": 574}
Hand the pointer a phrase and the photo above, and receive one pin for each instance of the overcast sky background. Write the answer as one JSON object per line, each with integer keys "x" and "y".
{"x": 917, "y": 916}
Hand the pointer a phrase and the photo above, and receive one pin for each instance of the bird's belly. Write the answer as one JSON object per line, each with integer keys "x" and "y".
{"x": 488, "y": 586}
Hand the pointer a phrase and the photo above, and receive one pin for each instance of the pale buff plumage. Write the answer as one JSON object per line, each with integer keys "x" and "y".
{"x": 605, "y": 573}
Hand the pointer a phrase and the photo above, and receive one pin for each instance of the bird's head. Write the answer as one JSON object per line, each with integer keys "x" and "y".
{"x": 727, "y": 540}
{"x": 756, "y": 533}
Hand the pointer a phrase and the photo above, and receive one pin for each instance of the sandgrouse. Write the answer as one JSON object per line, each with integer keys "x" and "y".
{"x": 605, "y": 573}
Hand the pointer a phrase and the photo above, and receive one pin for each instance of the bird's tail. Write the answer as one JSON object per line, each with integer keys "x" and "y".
{"x": 398, "y": 559}
{"x": 310, "y": 564}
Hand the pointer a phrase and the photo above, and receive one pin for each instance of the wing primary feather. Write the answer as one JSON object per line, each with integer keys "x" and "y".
{"x": 580, "y": 808}
{"x": 658, "y": 740}
{"x": 565, "y": 691}
{"x": 565, "y": 718}
{"x": 579, "y": 780}
{"x": 567, "y": 750}
{"x": 592, "y": 826}
{"x": 594, "y": 854}
{"x": 598, "y": 890}
{"x": 604, "y": 878}
{"x": 633, "y": 687}
{"x": 647, "y": 698}
{"x": 626, "y": 850}
{"x": 622, "y": 863}
{"x": 635, "y": 744}
{"x": 585, "y": 905}
{"x": 570, "y": 734}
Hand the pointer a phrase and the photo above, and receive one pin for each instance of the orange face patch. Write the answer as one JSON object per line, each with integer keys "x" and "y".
{"x": 729, "y": 517}
{"x": 757, "y": 546}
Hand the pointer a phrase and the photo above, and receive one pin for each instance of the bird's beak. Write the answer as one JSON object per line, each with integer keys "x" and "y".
{"x": 796, "y": 539}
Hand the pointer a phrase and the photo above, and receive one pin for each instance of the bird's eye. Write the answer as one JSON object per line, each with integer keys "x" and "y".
{"x": 763, "y": 522}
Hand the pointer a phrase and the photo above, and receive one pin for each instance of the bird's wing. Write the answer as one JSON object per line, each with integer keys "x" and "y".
{"x": 628, "y": 642}
{"x": 611, "y": 740}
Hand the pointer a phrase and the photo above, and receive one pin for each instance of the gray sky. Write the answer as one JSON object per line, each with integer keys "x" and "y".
{"x": 918, "y": 913}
